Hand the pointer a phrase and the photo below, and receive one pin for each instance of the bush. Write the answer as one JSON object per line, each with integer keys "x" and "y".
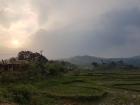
{"x": 55, "y": 69}
{"x": 21, "y": 94}
{"x": 36, "y": 72}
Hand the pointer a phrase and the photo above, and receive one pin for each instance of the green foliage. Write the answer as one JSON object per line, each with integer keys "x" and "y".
{"x": 55, "y": 69}
{"x": 36, "y": 71}
{"x": 21, "y": 94}
{"x": 86, "y": 88}
{"x": 30, "y": 56}
{"x": 58, "y": 83}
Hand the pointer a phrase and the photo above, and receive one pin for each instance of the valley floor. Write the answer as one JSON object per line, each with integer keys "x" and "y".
{"x": 85, "y": 88}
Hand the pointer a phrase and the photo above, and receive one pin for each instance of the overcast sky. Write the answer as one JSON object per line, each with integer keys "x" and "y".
{"x": 65, "y": 28}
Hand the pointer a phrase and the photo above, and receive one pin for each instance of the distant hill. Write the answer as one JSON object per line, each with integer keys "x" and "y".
{"x": 87, "y": 60}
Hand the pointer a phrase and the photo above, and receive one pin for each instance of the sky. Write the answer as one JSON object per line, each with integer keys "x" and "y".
{"x": 66, "y": 28}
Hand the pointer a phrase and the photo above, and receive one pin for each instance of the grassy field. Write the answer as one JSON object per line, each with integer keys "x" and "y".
{"x": 85, "y": 88}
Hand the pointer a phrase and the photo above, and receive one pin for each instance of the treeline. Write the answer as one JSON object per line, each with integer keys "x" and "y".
{"x": 30, "y": 66}
{"x": 112, "y": 65}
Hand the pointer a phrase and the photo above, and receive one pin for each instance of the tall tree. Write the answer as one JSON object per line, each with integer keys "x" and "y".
{"x": 30, "y": 56}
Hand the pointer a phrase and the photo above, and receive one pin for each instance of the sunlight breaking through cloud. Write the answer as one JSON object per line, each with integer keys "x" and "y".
{"x": 70, "y": 27}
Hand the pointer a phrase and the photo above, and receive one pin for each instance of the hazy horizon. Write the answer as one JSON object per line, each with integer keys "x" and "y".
{"x": 67, "y": 28}
{"x": 8, "y": 56}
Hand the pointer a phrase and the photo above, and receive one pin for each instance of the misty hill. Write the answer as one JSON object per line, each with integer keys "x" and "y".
{"x": 87, "y": 60}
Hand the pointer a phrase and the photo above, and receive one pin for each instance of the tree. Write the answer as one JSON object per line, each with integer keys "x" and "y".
{"x": 95, "y": 64}
{"x": 25, "y": 55}
{"x": 113, "y": 63}
{"x": 121, "y": 62}
{"x": 12, "y": 60}
{"x": 30, "y": 56}
{"x": 37, "y": 59}
{"x": 55, "y": 68}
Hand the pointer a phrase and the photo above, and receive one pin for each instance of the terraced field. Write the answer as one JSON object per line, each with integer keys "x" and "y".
{"x": 83, "y": 89}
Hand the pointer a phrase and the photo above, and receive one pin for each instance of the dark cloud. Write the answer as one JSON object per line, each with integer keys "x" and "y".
{"x": 64, "y": 28}
{"x": 119, "y": 27}
{"x": 118, "y": 33}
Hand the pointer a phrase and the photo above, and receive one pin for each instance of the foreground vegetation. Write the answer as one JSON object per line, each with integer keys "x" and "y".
{"x": 71, "y": 89}
{"x": 60, "y": 83}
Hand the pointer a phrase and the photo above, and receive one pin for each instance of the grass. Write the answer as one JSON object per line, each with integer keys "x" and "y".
{"x": 58, "y": 88}
{"x": 87, "y": 88}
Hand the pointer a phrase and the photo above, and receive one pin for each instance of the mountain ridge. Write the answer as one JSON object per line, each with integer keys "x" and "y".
{"x": 87, "y": 60}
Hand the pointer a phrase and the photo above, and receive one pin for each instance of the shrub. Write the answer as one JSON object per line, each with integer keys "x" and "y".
{"x": 55, "y": 69}
{"x": 21, "y": 94}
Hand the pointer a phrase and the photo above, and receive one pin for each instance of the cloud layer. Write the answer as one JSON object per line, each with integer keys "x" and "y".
{"x": 66, "y": 28}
